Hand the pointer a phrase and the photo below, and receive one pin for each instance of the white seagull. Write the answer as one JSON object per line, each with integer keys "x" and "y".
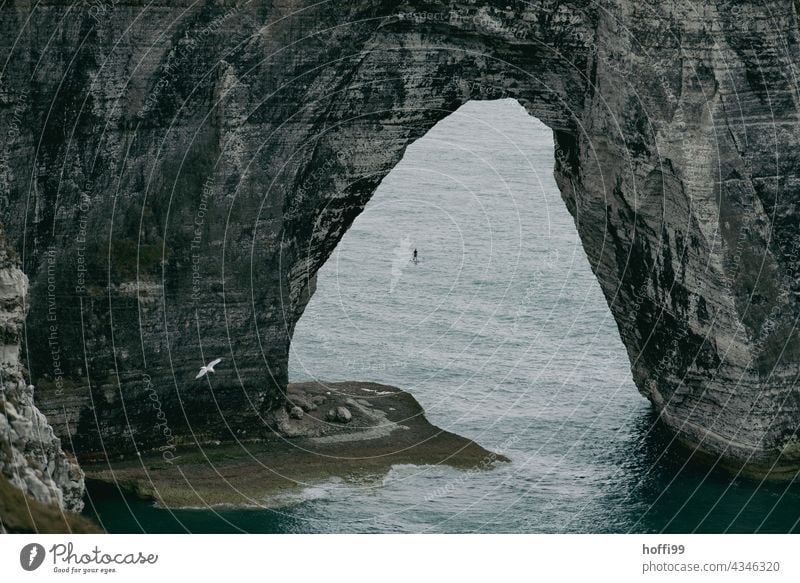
{"x": 208, "y": 368}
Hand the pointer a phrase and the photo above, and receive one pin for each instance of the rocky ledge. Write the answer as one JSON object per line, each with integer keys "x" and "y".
{"x": 347, "y": 430}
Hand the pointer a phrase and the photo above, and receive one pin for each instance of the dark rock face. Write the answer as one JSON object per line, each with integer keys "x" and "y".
{"x": 174, "y": 176}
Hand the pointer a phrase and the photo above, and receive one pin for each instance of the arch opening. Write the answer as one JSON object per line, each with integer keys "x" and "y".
{"x": 501, "y": 325}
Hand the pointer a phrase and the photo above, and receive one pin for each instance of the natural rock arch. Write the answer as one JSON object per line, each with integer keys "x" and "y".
{"x": 175, "y": 182}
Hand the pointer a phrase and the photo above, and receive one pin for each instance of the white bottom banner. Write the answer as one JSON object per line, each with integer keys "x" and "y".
{"x": 401, "y": 558}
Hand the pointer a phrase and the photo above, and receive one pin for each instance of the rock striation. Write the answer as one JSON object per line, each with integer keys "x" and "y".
{"x": 175, "y": 174}
{"x": 31, "y": 457}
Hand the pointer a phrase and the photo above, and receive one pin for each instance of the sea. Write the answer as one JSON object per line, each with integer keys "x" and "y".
{"x": 501, "y": 332}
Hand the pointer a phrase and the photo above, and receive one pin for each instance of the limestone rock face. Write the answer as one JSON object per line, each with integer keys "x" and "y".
{"x": 31, "y": 457}
{"x": 175, "y": 175}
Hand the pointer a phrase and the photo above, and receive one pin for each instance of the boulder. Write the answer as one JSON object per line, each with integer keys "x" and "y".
{"x": 300, "y": 400}
{"x": 339, "y": 415}
{"x": 343, "y": 415}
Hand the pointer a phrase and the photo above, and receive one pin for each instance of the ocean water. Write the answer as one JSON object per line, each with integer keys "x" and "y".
{"x": 503, "y": 335}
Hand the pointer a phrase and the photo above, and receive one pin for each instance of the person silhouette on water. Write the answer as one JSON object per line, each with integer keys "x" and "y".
{"x": 414, "y": 258}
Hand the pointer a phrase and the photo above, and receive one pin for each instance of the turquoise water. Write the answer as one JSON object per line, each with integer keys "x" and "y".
{"x": 503, "y": 335}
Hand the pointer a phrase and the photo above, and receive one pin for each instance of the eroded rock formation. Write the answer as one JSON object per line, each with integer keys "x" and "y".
{"x": 175, "y": 174}
{"x": 31, "y": 457}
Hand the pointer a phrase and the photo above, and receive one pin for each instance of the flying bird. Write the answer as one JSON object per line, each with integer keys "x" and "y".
{"x": 208, "y": 368}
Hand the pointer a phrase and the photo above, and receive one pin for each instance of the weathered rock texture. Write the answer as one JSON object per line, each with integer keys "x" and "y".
{"x": 31, "y": 457}
{"x": 174, "y": 174}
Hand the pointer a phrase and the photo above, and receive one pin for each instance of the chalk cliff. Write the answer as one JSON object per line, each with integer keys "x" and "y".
{"x": 31, "y": 457}
{"x": 173, "y": 175}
